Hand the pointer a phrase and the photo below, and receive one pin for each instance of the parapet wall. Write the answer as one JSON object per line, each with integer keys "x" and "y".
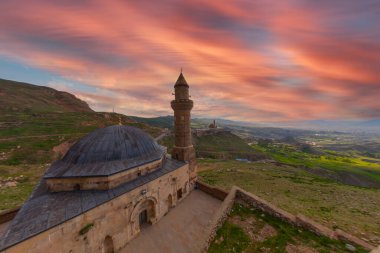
{"x": 238, "y": 195}
{"x": 213, "y": 191}
{"x": 222, "y": 213}
{"x": 253, "y": 200}
{"x": 8, "y": 215}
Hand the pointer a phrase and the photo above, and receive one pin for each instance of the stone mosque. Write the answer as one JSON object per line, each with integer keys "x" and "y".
{"x": 115, "y": 180}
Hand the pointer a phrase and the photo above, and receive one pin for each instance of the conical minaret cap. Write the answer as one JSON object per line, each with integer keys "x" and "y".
{"x": 181, "y": 81}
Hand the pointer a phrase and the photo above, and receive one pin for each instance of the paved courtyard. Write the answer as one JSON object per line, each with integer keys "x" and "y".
{"x": 181, "y": 230}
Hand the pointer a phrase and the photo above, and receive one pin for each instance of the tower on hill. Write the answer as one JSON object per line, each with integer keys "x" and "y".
{"x": 183, "y": 149}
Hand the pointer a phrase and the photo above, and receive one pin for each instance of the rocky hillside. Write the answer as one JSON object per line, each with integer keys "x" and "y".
{"x": 24, "y": 97}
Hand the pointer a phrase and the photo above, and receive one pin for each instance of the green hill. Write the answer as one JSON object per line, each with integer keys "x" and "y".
{"x": 168, "y": 121}
{"x": 222, "y": 145}
{"x": 162, "y": 121}
{"x": 24, "y": 97}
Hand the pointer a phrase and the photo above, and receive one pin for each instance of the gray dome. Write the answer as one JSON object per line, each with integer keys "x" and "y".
{"x": 112, "y": 143}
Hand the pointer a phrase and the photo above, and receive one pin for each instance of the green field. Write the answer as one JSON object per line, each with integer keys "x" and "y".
{"x": 349, "y": 167}
{"x": 250, "y": 230}
{"x": 353, "y": 209}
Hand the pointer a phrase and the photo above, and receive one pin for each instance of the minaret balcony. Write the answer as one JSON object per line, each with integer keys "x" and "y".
{"x": 183, "y": 104}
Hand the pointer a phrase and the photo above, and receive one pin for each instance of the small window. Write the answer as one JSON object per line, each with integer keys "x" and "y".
{"x": 179, "y": 194}
{"x": 139, "y": 173}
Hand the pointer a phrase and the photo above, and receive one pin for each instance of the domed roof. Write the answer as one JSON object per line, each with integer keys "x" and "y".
{"x": 111, "y": 143}
{"x": 107, "y": 151}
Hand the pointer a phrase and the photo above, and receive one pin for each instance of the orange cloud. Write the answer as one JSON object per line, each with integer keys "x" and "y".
{"x": 266, "y": 61}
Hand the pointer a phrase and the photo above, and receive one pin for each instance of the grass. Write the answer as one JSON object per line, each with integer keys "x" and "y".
{"x": 233, "y": 238}
{"x": 26, "y": 177}
{"x": 86, "y": 228}
{"x": 353, "y": 209}
{"x": 346, "y": 162}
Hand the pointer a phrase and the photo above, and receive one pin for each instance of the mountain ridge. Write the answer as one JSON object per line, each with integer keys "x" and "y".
{"x": 24, "y": 97}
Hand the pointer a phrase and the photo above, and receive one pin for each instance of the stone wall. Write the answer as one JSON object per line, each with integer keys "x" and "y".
{"x": 213, "y": 191}
{"x": 219, "y": 217}
{"x": 299, "y": 220}
{"x": 116, "y": 220}
{"x": 265, "y": 206}
{"x": 238, "y": 195}
{"x": 8, "y": 215}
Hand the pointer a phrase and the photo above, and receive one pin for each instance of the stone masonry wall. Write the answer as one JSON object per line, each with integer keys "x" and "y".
{"x": 8, "y": 215}
{"x": 117, "y": 219}
{"x": 219, "y": 217}
{"x": 238, "y": 195}
{"x": 213, "y": 191}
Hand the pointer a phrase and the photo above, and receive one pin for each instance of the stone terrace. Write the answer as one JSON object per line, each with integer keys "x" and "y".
{"x": 182, "y": 230}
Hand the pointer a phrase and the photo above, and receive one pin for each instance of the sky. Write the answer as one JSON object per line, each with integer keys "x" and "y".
{"x": 248, "y": 60}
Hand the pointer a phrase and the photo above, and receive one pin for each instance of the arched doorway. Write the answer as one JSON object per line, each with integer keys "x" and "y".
{"x": 108, "y": 245}
{"x": 143, "y": 214}
{"x": 143, "y": 218}
{"x": 170, "y": 201}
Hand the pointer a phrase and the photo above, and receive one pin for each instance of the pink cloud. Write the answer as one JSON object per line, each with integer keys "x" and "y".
{"x": 247, "y": 60}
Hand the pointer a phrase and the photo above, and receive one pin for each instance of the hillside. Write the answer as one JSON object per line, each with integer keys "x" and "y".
{"x": 168, "y": 121}
{"x": 37, "y": 126}
{"x": 24, "y": 97}
{"x": 162, "y": 121}
{"x": 222, "y": 145}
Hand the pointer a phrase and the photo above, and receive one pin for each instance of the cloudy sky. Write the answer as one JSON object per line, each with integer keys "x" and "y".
{"x": 254, "y": 60}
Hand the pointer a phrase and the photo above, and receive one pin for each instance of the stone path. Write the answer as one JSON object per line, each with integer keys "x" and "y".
{"x": 181, "y": 230}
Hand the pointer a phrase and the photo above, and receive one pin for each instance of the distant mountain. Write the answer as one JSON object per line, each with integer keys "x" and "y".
{"x": 226, "y": 122}
{"x": 358, "y": 126}
{"x": 168, "y": 122}
{"x": 162, "y": 121}
{"x": 24, "y": 97}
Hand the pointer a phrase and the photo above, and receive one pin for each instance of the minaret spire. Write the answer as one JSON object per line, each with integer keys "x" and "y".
{"x": 183, "y": 149}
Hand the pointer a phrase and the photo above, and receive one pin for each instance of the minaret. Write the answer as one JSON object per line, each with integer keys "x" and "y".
{"x": 183, "y": 149}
